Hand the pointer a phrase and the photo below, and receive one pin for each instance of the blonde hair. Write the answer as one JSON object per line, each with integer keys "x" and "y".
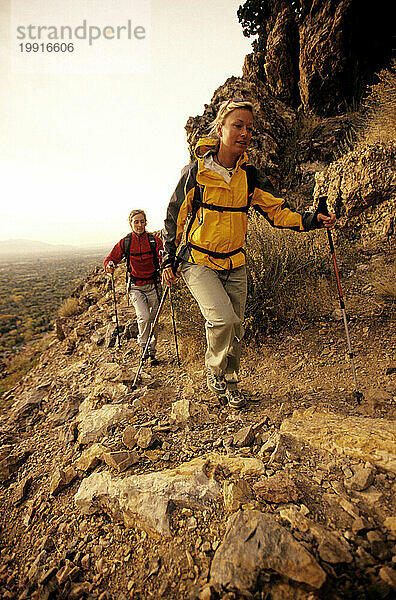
{"x": 225, "y": 109}
{"x": 133, "y": 213}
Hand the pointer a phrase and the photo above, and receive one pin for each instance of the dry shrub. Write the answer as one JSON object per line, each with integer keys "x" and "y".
{"x": 69, "y": 307}
{"x": 386, "y": 284}
{"x": 21, "y": 363}
{"x": 190, "y": 323}
{"x": 287, "y": 277}
{"x": 378, "y": 123}
{"x": 18, "y": 366}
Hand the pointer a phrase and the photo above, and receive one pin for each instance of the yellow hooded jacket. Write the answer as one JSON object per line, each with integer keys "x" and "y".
{"x": 213, "y": 213}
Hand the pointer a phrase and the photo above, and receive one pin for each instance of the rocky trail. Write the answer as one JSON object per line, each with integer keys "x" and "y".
{"x": 161, "y": 492}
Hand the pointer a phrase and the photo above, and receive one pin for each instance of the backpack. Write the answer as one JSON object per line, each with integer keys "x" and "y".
{"x": 126, "y": 252}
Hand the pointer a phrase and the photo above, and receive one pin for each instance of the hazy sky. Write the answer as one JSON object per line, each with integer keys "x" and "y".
{"x": 78, "y": 151}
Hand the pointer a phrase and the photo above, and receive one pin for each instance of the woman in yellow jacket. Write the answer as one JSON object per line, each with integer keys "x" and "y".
{"x": 207, "y": 217}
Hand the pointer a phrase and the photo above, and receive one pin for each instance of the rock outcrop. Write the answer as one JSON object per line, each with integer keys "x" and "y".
{"x": 361, "y": 188}
{"x": 316, "y": 53}
{"x": 255, "y": 542}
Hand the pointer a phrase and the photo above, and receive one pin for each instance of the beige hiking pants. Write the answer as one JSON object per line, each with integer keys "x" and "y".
{"x": 145, "y": 301}
{"x": 221, "y": 296}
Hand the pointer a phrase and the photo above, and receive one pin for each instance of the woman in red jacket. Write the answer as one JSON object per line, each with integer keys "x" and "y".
{"x": 142, "y": 251}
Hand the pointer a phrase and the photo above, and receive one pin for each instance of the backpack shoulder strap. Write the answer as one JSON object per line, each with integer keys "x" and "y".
{"x": 251, "y": 176}
{"x": 153, "y": 246}
{"x": 126, "y": 253}
{"x": 197, "y": 198}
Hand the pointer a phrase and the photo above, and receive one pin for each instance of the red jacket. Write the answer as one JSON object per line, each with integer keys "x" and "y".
{"x": 141, "y": 257}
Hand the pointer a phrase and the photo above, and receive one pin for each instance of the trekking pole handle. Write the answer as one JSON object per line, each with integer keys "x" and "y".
{"x": 322, "y": 206}
{"x": 323, "y": 209}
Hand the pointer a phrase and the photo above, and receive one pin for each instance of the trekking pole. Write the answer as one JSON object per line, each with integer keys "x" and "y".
{"x": 174, "y": 327}
{"x": 115, "y": 310}
{"x": 153, "y": 325}
{"x": 322, "y": 208}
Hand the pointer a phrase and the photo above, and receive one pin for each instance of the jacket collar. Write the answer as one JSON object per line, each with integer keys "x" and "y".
{"x": 207, "y": 146}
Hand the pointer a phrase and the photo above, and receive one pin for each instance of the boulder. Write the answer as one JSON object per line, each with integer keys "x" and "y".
{"x": 111, "y": 335}
{"x": 185, "y": 410}
{"x": 61, "y": 479}
{"x": 94, "y": 425}
{"x": 358, "y": 437}
{"x": 361, "y": 186}
{"x": 146, "y": 438}
{"x": 145, "y": 499}
{"x": 236, "y": 493}
{"x": 389, "y": 576}
{"x": 332, "y": 547}
{"x": 244, "y": 437}
{"x": 362, "y": 478}
{"x": 390, "y": 523}
{"x": 90, "y": 458}
{"x": 129, "y": 436}
{"x": 255, "y": 542}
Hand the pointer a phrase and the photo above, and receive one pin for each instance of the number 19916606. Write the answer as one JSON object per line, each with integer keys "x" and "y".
{"x": 48, "y": 47}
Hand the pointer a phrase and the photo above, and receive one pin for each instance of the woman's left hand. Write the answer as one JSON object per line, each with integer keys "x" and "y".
{"x": 326, "y": 220}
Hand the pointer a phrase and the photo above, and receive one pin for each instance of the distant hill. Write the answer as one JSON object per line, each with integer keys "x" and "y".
{"x": 19, "y": 247}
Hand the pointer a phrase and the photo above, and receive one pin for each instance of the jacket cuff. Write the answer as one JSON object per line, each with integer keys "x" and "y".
{"x": 169, "y": 261}
{"x": 310, "y": 221}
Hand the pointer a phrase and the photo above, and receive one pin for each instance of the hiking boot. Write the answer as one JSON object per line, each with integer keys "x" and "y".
{"x": 216, "y": 383}
{"x": 235, "y": 399}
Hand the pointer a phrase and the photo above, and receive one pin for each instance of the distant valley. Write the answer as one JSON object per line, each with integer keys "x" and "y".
{"x": 21, "y": 247}
{"x": 32, "y": 288}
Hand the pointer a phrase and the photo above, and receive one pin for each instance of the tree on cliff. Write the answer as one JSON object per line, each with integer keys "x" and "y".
{"x": 252, "y": 16}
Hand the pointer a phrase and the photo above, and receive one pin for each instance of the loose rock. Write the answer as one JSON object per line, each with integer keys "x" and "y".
{"x": 146, "y": 438}
{"x": 277, "y": 488}
{"x": 244, "y": 437}
{"x": 361, "y": 479}
{"x": 62, "y": 479}
{"x": 94, "y": 425}
{"x": 120, "y": 461}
